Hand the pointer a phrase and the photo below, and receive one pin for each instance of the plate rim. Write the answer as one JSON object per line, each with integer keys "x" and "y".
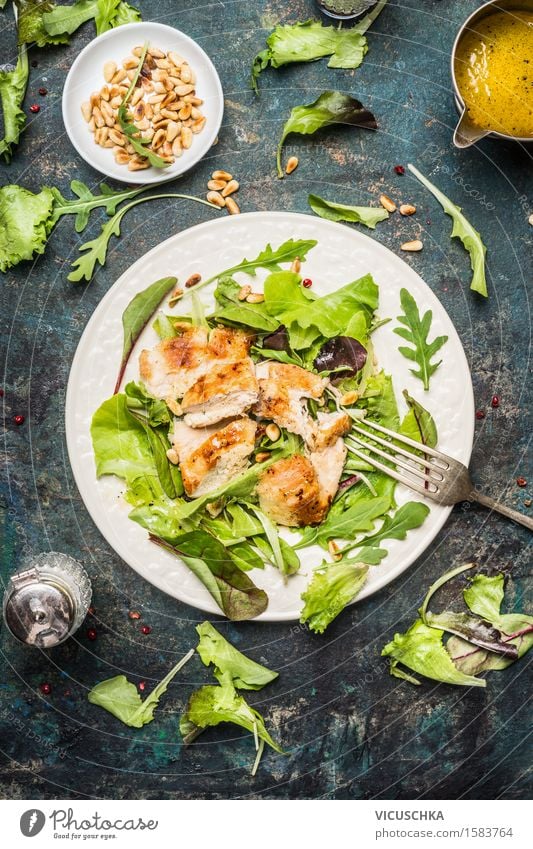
{"x": 140, "y": 177}
{"x": 383, "y": 580}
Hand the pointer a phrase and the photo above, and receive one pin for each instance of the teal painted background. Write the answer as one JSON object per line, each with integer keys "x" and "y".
{"x": 351, "y": 731}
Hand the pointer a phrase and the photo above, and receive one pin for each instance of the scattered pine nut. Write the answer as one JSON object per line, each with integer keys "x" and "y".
{"x": 255, "y": 298}
{"x": 333, "y": 549}
{"x": 387, "y": 203}
{"x": 291, "y": 165}
{"x": 415, "y": 245}
{"x": 216, "y": 185}
{"x": 110, "y": 69}
{"x": 349, "y": 398}
{"x": 193, "y": 280}
{"x": 244, "y": 291}
{"x": 273, "y": 432}
{"x": 232, "y": 206}
{"x": 296, "y": 265}
{"x": 222, "y": 175}
{"x": 229, "y": 188}
{"x": 216, "y": 198}
{"x": 172, "y": 455}
{"x": 407, "y": 209}
{"x": 261, "y": 456}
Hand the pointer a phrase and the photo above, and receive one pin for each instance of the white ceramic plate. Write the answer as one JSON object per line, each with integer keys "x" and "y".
{"x": 87, "y": 75}
{"x": 342, "y": 255}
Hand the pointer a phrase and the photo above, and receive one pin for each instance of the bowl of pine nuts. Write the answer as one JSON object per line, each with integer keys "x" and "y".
{"x": 142, "y": 103}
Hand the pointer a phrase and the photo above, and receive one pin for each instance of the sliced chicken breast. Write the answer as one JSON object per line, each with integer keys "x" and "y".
{"x": 289, "y": 492}
{"x": 283, "y": 390}
{"x": 211, "y": 456}
{"x": 174, "y": 365}
{"x": 225, "y": 391}
{"x": 328, "y": 465}
{"x": 327, "y": 429}
{"x": 225, "y": 343}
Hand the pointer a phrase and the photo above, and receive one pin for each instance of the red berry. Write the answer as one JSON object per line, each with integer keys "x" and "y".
{"x": 307, "y": 283}
{"x": 43, "y": 91}
{"x": 145, "y": 629}
{"x": 1, "y": 393}
{"x": 521, "y": 482}
{"x": 91, "y": 634}
{"x": 495, "y": 401}
{"x": 480, "y": 414}
{"x": 142, "y": 685}
{"x": 18, "y": 420}
{"x": 35, "y": 108}
{"x": 92, "y": 610}
{"x": 45, "y": 688}
{"x": 399, "y": 169}
{"x": 134, "y": 614}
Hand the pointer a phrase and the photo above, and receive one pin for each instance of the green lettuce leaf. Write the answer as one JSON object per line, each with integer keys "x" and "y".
{"x": 31, "y": 28}
{"x": 120, "y": 443}
{"x": 330, "y": 590}
{"x": 211, "y": 705}
{"x": 418, "y": 424}
{"x": 234, "y": 592}
{"x": 229, "y": 309}
{"x": 408, "y": 517}
{"x": 331, "y": 107}
{"x": 463, "y": 230}
{"x": 245, "y": 673}
{"x": 421, "y": 649}
{"x": 415, "y": 330}
{"x": 121, "y": 698}
{"x": 367, "y": 215}
{"x": 269, "y": 258}
{"x": 24, "y": 224}
{"x": 107, "y": 14}
{"x": 13, "y": 86}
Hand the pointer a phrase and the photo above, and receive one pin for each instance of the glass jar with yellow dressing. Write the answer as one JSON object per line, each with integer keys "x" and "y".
{"x": 493, "y": 72}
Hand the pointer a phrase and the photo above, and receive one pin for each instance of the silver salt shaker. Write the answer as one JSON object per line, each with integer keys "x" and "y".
{"x": 47, "y": 600}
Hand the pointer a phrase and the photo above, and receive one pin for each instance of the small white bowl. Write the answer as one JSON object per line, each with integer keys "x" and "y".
{"x": 86, "y": 75}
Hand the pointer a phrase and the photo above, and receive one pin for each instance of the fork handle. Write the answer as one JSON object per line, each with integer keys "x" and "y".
{"x": 489, "y": 502}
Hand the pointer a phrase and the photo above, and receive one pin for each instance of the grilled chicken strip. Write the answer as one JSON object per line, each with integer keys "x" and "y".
{"x": 211, "y": 456}
{"x": 283, "y": 390}
{"x": 328, "y": 465}
{"x": 327, "y": 429}
{"x": 174, "y": 365}
{"x": 225, "y": 391}
{"x": 289, "y": 492}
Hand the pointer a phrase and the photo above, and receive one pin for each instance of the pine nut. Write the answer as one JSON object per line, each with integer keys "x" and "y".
{"x": 104, "y": 93}
{"x": 138, "y": 51}
{"x": 121, "y": 157}
{"x": 185, "y": 73}
{"x": 193, "y": 280}
{"x": 177, "y": 149}
{"x": 163, "y": 64}
{"x": 139, "y": 111}
{"x": 232, "y": 207}
{"x": 158, "y": 139}
{"x": 216, "y": 185}
{"x": 184, "y": 89}
{"x": 117, "y": 137}
{"x": 387, "y": 203}
{"x": 222, "y": 175}
{"x": 254, "y": 297}
{"x": 86, "y": 110}
{"x": 333, "y": 549}
{"x": 118, "y": 76}
{"x": 291, "y": 165}
{"x": 170, "y": 98}
{"x": 244, "y": 291}
{"x": 229, "y": 188}
{"x": 91, "y": 125}
{"x": 185, "y": 112}
{"x": 110, "y": 69}
{"x": 197, "y": 126}
{"x": 115, "y": 102}
{"x": 99, "y": 119}
{"x": 173, "y": 129}
{"x": 170, "y": 114}
{"x": 407, "y": 209}
{"x": 415, "y": 245}
{"x": 349, "y": 398}
{"x": 129, "y": 63}
{"x": 143, "y": 125}
{"x": 156, "y": 98}
{"x": 156, "y": 53}
{"x": 273, "y": 432}
{"x": 95, "y": 99}
{"x": 160, "y": 89}
{"x": 216, "y": 198}
{"x": 186, "y": 137}
{"x": 296, "y": 265}
{"x": 175, "y": 58}
{"x": 138, "y": 164}
{"x": 261, "y": 456}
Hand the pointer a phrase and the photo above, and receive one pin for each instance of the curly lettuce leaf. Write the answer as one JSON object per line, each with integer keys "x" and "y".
{"x": 31, "y": 28}
{"x": 330, "y": 590}
{"x": 25, "y": 223}
{"x": 211, "y": 705}
{"x": 415, "y": 330}
{"x": 245, "y": 673}
{"x": 331, "y": 107}
{"x": 421, "y": 650}
{"x": 367, "y": 215}
{"x": 463, "y": 230}
{"x": 121, "y": 698}
{"x": 107, "y": 14}
{"x": 120, "y": 443}
{"x": 13, "y": 86}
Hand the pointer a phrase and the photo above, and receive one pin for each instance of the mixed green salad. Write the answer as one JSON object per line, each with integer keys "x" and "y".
{"x": 223, "y": 535}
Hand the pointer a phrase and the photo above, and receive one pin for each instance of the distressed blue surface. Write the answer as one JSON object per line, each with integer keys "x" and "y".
{"x": 351, "y": 731}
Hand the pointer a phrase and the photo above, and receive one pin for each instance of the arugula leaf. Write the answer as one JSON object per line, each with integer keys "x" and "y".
{"x": 463, "y": 230}
{"x": 31, "y": 28}
{"x": 421, "y": 649}
{"x": 129, "y": 128}
{"x": 121, "y": 698}
{"x": 87, "y": 201}
{"x": 211, "y": 705}
{"x": 24, "y": 224}
{"x": 367, "y": 215}
{"x": 13, "y": 84}
{"x": 418, "y": 423}
{"x": 416, "y": 331}
{"x": 330, "y": 590}
{"x": 107, "y": 14}
{"x": 245, "y": 673}
{"x": 306, "y": 41}
{"x": 120, "y": 443}
{"x": 357, "y": 518}
{"x": 230, "y": 309}
{"x": 408, "y": 517}
{"x": 234, "y": 592}
{"x": 332, "y": 107}
{"x": 137, "y": 315}
{"x": 268, "y": 258}
{"x": 95, "y": 251}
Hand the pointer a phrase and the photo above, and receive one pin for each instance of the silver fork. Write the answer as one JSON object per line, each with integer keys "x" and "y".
{"x": 433, "y": 474}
